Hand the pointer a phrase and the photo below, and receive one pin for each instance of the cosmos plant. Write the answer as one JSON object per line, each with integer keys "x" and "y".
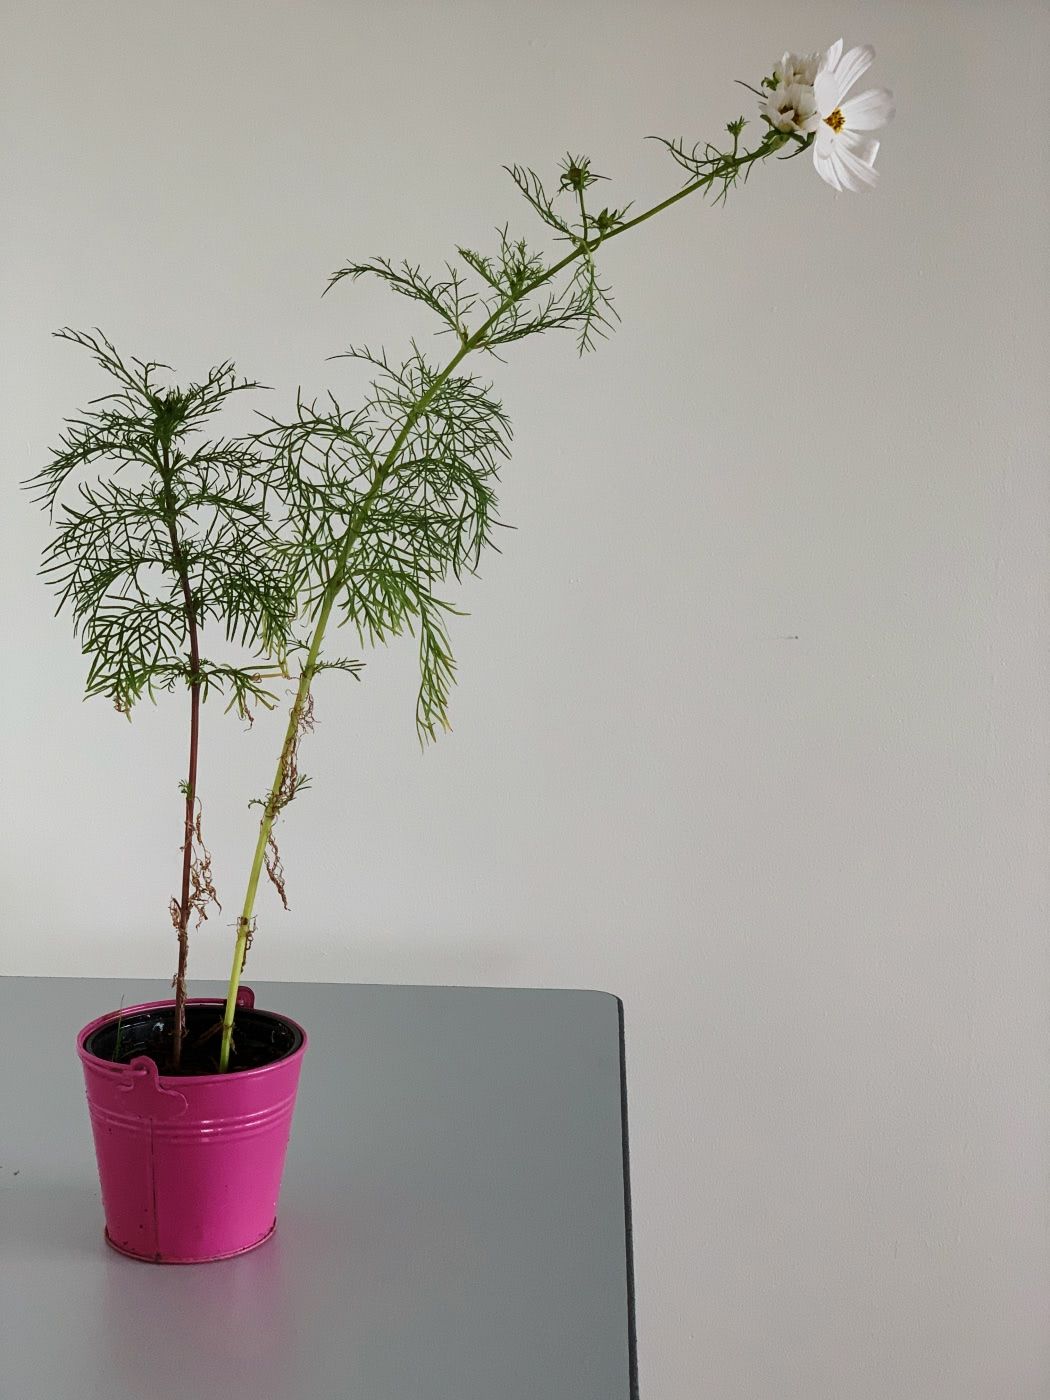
{"x": 361, "y": 515}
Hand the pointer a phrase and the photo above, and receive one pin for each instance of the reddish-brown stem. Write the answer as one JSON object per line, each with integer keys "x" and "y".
{"x": 187, "y": 847}
{"x": 179, "y": 561}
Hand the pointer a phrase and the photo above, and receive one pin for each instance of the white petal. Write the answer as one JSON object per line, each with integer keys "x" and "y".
{"x": 845, "y": 179}
{"x": 835, "y": 81}
{"x": 854, "y": 65}
{"x": 854, "y": 170}
{"x": 865, "y": 148}
{"x": 825, "y": 167}
{"x": 809, "y": 67}
{"x": 831, "y": 58}
{"x": 868, "y": 110}
{"x": 824, "y": 141}
{"x": 826, "y": 91}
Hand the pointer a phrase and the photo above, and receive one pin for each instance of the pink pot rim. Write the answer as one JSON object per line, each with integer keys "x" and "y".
{"x": 240, "y": 1075}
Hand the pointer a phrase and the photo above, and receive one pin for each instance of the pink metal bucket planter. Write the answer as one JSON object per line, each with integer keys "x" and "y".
{"x": 190, "y": 1165}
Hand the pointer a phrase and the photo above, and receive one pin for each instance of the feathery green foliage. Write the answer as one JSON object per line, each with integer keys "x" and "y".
{"x": 426, "y": 516}
{"x": 389, "y": 500}
{"x": 159, "y": 534}
{"x": 140, "y": 506}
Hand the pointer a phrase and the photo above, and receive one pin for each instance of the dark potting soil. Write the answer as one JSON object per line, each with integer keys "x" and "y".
{"x": 259, "y": 1038}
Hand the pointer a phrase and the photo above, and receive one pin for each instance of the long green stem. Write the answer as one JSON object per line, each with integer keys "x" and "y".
{"x": 272, "y": 804}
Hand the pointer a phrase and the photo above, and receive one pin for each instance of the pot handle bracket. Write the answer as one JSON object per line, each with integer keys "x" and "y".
{"x": 148, "y": 1095}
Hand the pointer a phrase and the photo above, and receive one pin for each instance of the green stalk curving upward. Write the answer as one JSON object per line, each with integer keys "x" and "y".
{"x": 512, "y": 279}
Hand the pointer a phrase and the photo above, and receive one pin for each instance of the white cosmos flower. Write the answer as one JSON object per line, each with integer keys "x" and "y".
{"x": 792, "y": 107}
{"x": 797, "y": 68}
{"x": 844, "y": 151}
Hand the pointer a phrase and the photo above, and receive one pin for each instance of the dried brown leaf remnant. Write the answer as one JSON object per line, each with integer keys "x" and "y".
{"x": 246, "y": 927}
{"x": 292, "y": 783}
{"x": 275, "y": 868}
{"x": 200, "y": 896}
{"x": 202, "y": 887}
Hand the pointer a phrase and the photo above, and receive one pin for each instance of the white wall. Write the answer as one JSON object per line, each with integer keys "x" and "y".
{"x": 751, "y": 726}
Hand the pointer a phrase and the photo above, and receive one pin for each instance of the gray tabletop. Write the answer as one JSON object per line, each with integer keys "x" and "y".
{"x": 454, "y": 1222}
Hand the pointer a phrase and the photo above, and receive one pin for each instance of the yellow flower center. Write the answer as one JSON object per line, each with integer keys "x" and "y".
{"x": 836, "y": 121}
